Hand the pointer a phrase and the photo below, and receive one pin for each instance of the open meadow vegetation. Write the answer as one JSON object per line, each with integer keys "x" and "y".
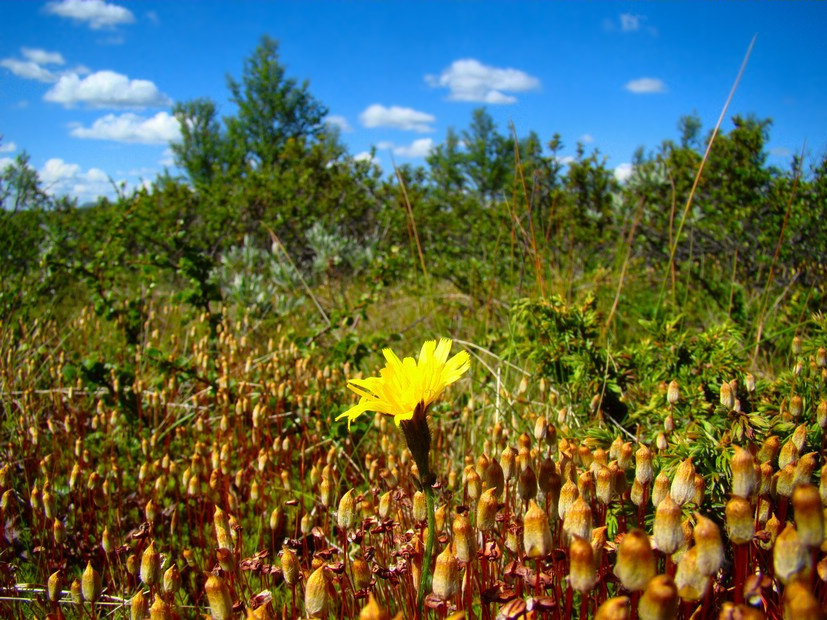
{"x": 286, "y": 384}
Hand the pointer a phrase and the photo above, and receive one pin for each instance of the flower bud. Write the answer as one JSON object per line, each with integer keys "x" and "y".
{"x": 659, "y": 600}
{"x": 727, "y": 397}
{"x": 800, "y": 603}
{"x": 789, "y": 556}
{"x": 446, "y": 575}
{"x": 90, "y": 584}
{"x": 809, "y": 517}
{"x": 616, "y": 608}
{"x": 361, "y": 573}
{"x": 643, "y": 465}
{"x": 289, "y": 567}
{"x": 708, "y": 543}
{"x": 582, "y": 567}
{"x": 315, "y": 593}
{"x": 673, "y": 393}
{"x": 487, "y": 509}
{"x": 464, "y": 540}
{"x": 743, "y": 473}
{"x": 660, "y": 488}
{"x": 527, "y": 484}
{"x": 138, "y": 606}
{"x": 578, "y": 521}
{"x": 690, "y": 581}
{"x": 683, "y": 484}
{"x": 346, "y": 515}
{"x": 420, "y": 506}
{"x": 373, "y": 611}
{"x": 150, "y": 565}
{"x": 54, "y": 586}
{"x": 740, "y": 525}
{"x": 635, "y": 564}
{"x": 667, "y": 531}
{"x": 172, "y": 580}
{"x": 536, "y": 532}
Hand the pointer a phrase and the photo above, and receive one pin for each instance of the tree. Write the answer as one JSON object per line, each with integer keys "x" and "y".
{"x": 202, "y": 151}
{"x": 272, "y": 108}
{"x": 488, "y": 156}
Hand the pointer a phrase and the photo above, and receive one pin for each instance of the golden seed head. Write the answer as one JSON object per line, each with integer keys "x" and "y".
{"x": 796, "y": 406}
{"x": 90, "y": 584}
{"x": 218, "y": 596}
{"x": 616, "y": 608}
{"x": 385, "y": 505}
{"x": 420, "y": 512}
{"x": 743, "y": 473}
{"x": 821, "y": 414}
{"x": 487, "y": 509}
{"x": 635, "y": 564}
{"x": 809, "y": 516}
{"x": 799, "y": 436}
{"x": 666, "y": 530}
{"x": 683, "y": 484}
{"x": 789, "y": 555}
{"x": 473, "y": 484}
{"x": 784, "y": 480}
{"x": 583, "y": 569}
{"x": 740, "y": 525}
{"x": 446, "y": 574}
{"x": 637, "y": 493}
{"x": 804, "y": 468}
{"x": 536, "y": 532}
{"x": 507, "y": 460}
{"x": 660, "y": 599}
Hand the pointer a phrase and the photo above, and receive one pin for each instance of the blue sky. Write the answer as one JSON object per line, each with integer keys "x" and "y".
{"x": 86, "y": 87}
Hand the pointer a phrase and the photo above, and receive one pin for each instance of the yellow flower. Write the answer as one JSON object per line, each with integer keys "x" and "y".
{"x": 402, "y": 385}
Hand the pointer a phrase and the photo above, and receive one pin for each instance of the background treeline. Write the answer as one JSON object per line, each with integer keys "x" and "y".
{"x": 272, "y": 212}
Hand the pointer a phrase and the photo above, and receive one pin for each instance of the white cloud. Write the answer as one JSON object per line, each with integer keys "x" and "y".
{"x": 105, "y": 89}
{"x": 28, "y": 69}
{"x": 645, "y": 85}
{"x": 623, "y": 171}
{"x": 9, "y": 147}
{"x": 167, "y": 158}
{"x": 5, "y": 162}
{"x": 339, "y": 121}
{"x": 587, "y": 138}
{"x": 366, "y": 156}
{"x": 418, "y": 148}
{"x": 780, "y": 151}
{"x": 629, "y": 22}
{"x": 397, "y": 117}
{"x": 96, "y": 13}
{"x": 42, "y": 57}
{"x": 470, "y": 80}
{"x": 61, "y": 178}
{"x": 128, "y": 127}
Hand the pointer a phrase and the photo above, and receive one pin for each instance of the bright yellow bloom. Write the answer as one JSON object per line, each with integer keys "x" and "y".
{"x": 404, "y": 384}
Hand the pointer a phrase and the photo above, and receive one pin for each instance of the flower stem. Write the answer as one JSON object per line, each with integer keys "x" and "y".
{"x": 425, "y": 573}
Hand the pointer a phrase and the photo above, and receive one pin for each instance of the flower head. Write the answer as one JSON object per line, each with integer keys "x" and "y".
{"x": 402, "y": 385}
